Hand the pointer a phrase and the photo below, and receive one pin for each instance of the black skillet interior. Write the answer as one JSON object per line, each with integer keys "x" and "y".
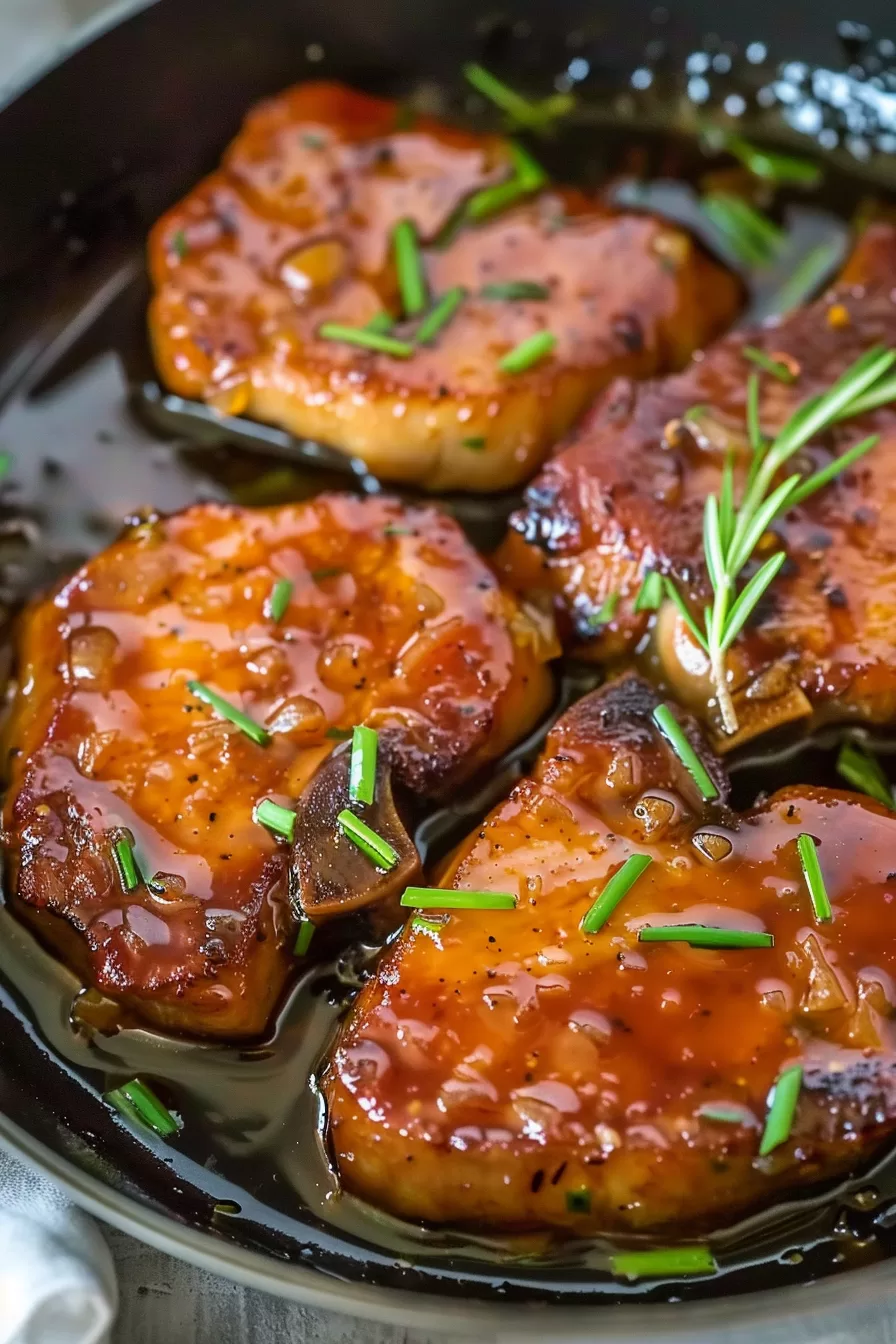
{"x": 101, "y": 144}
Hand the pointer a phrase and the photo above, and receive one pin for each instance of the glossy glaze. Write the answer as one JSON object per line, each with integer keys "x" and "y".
{"x": 393, "y": 621}
{"x": 627, "y": 496}
{"x": 295, "y": 230}
{"x": 509, "y": 1060}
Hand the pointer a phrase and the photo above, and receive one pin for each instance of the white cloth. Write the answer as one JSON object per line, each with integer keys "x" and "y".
{"x": 57, "y": 1280}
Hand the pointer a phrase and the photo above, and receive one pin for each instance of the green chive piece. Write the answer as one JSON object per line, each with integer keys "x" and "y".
{"x": 661, "y": 1264}
{"x": 127, "y": 864}
{"x": 816, "y": 269}
{"x": 578, "y": 1201}
{"x": 492, "y": 200}
{"x": 381, "y": 323}
{"x": 280, "y": 820}
{"x": 434, "y": 898}
{"x": 674, "y": 734}
{"x": 305, "y": 934}
{"x": 179, "y": 245}
{"x": 808, "y": 853}
{"x": 528, "y": 353}
{"x": 529, "y": 172}
{"x": 5, "y": 464}
{"x": 409, "y": 266}
{"x": 523, "y": 111}
{"x": 440, "y": 315}
{"x": 516, "y": 291}
{"x": 773, "y": 366}
{"x": 369, "y": 340}
{"x": 779, "y": 1120}
{"x": 864, "y": 771}
{"x": 650, "y": 594}
{"x": 771, "y": 166}
{"x": 396, "y": 530}
{"x": 604, "y": 613}
{"x": 362, "y": 771}
{"x": 229, "y": 712}
{"x": 340, "y": 734}
{"x": 137, "y": 1102}
{"x": 701, "y": 935}
{"x": 428, "y": 925}
{"x": 328, "y": 572}
{"x": 721, "y": 1114}
{"x": 278, "y": 602}
{"x": 476, "y": 443}
{"x": 618, "y": 886}
{"x": 378, "y": 850}
{"x": 750, "y": 235}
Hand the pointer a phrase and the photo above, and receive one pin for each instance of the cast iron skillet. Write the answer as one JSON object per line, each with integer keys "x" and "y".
{"x": 94, "y": 148}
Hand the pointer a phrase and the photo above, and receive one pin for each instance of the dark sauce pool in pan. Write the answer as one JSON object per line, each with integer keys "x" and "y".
{"x": 96, "y": 440}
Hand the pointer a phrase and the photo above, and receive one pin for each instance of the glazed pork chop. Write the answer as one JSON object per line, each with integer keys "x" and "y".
{"x": 506, "y": 1068}
{"x": 626, "y": 497}
{"x": 306, "y": 618}
{"x": 296, "y": 231}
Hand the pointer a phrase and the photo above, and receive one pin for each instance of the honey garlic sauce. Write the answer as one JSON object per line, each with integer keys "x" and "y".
{"x": 392, "y": 620}
{"x": 506, "y": 1062}
{"x": 295, "y": 230}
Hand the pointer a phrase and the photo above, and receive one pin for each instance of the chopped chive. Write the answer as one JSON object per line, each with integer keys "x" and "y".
{"x": 663, "y": 1263}
{"x": 137, "y": 1102}
{"x": 369, "y": 340}
{"x": 528, "y": 353}
{"x": 604, "y": 613}
{"x": 779, "y": 1120}
{"x": 775, "y": 367}
{"x": 127, "y": 864}
{"x": 229, "y": 712}
{"x": 227, "y": 1208}
{"x": 864, "y": 771}
{"x": 381, "y": 323}
{"x": 279, "y": 600}
{"x": 434, "y": 898}
{"x": 280, "y": 820}
{"x": 396, "y": 530}
{"x": 476, "y": 443}
{"x": 305, "y": 934}
{"x": 492, "y": 200}
{"x": 340, "y": 734}
{"x": 311, "y": 140}
{"x": 179, "y": 245}
{"x": 378, "y": 850}
{"x": 751, "y": 237}
{"x": 427, "y": 925}
{"x": 674, "y": 734}
{"x": 328, "y": 572}
{"x": 578, "y": 1201}
{"x": 771, "y": 166}
{"x": 808, "y": 853}
{"x": 441, "y": 314}
{"x": 721, "y": 1114}
{"x": 5, "y": 464}
{"x": 650, "y": 594}
{"x": 362, "y": 771}
{"x": 515, "y": 291}
{"x": 529, "y": 172}
{"x": 701, "y": 935}
{"x": 507, "y": 99}
{"x": 618, "y": 886}
{"x": 409, "y": 267}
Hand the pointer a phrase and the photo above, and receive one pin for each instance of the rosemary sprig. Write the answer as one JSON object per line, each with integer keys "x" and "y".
{"x": 731, "y": 532}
